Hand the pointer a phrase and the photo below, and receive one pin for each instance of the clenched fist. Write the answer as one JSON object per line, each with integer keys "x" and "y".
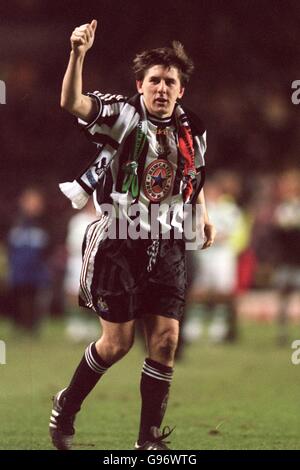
{"x": 83, "y": 37}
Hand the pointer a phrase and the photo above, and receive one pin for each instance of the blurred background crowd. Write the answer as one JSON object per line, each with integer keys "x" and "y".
{"x": 246, "y": 60}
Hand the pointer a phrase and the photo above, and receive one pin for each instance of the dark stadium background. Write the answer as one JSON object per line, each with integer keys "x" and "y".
{"x": 246, "y": 55}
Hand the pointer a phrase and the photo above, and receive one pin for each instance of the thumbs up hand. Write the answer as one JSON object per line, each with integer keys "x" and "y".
{"x": 82, "y": 37}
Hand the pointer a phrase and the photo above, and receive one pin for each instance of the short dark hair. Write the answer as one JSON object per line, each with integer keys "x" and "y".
{"x": 174, "y": 56}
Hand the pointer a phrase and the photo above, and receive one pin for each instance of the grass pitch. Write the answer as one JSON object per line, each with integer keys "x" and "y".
{"x": 242, "y": 396}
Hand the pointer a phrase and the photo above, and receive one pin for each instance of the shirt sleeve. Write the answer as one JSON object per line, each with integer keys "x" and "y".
{"x": 109, "y": 108}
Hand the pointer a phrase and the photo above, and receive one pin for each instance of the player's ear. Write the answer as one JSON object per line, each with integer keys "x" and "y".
{"x": 139, "y": 86}
{"x": 181, "y": 92}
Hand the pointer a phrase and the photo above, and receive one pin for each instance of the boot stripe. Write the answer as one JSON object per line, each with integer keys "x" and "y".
{"x": 59, "y": 394}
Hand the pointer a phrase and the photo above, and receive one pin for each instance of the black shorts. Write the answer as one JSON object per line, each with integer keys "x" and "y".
{"x": 125, "y": 279}
{"x": 155, "y": 300}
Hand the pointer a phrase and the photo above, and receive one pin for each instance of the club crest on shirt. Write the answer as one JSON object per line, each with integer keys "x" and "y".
{"x": 158, "y": 180}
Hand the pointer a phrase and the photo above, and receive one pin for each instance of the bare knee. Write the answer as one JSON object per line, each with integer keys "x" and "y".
{"x": 111, "y": 349}
{"x": 162, "y": 347}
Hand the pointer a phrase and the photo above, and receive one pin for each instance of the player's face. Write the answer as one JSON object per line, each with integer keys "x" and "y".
{"x": 161, "y": 88}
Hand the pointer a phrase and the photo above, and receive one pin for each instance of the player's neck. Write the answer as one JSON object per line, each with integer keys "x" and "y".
{"x": 160, "y": 121}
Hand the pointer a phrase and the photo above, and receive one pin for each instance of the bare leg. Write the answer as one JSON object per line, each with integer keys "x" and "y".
{"x": 162, "y": 338}
{"x": 115, "y": 341}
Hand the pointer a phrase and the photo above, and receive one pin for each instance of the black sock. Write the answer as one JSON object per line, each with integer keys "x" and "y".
{"x": 89, "y": 371}
{"x": 155, "y": 383}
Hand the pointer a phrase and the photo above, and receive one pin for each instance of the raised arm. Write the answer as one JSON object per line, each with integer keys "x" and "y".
{"x": 72, "y": 99}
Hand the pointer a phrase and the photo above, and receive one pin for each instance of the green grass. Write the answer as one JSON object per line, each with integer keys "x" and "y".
{"x": 243, "y": 396}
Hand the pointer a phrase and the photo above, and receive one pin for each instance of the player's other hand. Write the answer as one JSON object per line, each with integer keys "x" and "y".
{"x": 210, "y": 235}
{"x": 83, "y": 37}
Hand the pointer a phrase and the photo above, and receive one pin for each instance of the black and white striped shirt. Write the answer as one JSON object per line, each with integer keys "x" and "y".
{"x": 160, "y": 164}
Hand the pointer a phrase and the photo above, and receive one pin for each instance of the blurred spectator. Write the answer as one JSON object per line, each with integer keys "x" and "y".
{"x": 287, "y": 235}
{"x": 216, "y": 279}
{"x": 261, "y": 208}
{"x": 28, "y": 249}
{"x": 4, "y": 300}
{"x": 81, "y": 325}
